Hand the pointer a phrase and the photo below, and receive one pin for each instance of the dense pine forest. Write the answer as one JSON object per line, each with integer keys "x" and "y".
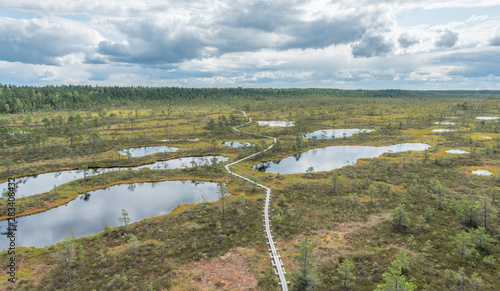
{"x": 14, "y": 99}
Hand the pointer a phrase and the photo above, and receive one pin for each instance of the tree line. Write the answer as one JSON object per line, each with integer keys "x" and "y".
{"x": 19, "y": 99}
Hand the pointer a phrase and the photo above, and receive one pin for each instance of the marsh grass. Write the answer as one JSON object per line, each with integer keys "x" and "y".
{"x": 344, "y": 224}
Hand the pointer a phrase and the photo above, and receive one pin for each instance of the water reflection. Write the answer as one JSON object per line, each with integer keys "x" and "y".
{"x": 445, "y": 123}
{"x": 88, "y": 216}
{"x": 333, "y": 157}
{"x": 482, "y": 172}
{"x": 184, "y": 163}
{"x": 487, "y": 118}
{"x": 145, "y": 151}
{"x": 457, "y": 151}
{"x": 181, "y": 139}
{"x": 277, "y": 123}
{"x": 335, "y": 133}
{"x": 442, "y": 130}
{"x": 236, "y": 144}
{"x": 36, "y": 184}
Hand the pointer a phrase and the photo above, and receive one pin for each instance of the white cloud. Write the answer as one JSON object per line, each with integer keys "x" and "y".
{"x": 373, "y": 44}
{"x": 476, "y": 18}
{"x": 447, "y": 39}
{"x": 246, "y": 43}
{"x": 43, "y": 41}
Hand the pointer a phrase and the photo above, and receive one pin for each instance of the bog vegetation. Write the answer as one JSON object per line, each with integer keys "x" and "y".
{"x": 403, "y": 221}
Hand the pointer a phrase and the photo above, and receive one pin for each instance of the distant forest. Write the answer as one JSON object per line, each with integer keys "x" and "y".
{"x": 16, "y": 99}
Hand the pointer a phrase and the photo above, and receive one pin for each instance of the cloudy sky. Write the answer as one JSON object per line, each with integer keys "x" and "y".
{"x": 366, "y": 44}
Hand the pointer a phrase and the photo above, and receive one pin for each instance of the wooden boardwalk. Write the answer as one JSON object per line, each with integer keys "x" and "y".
{"x": 279, "y": 268}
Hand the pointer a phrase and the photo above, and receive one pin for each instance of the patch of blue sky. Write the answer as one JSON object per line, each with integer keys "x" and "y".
{"x": 18, "y": 14}
{"x": 440, "y": 16}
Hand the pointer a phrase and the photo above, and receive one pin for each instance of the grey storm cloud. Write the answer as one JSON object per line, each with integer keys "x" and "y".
{"x": 241, "y": 27}
{"x": 150, "y": 41}
{"x": 260, "y": 15}
{"x": 473, "y": 64}
{"x": 372, "y": 44}
{"x": 254, "y": 20}
{"x": 112, "y": 48}
{"x": 406, "y": 41}
{"x": 495, "y": 40}
{"x": 447, "y": 38}
{"x": 95, "y": 59}
{"x": 323, "y": 33}
{"x": 244, "y": 26}
{"x": 219, "y": 43}
{"x": 37, "y": 41}
{"x": 308, "y": 34}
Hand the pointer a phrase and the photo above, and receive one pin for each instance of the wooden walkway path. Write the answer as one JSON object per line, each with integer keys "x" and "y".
{"x": 279, "y": 268}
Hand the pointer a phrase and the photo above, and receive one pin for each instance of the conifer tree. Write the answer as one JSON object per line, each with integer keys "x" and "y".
{"x": 304, "y": 278}
{"x": 400, "y": 217}
{"x": 347, "y": 276}
{"x": 394, "y": 280}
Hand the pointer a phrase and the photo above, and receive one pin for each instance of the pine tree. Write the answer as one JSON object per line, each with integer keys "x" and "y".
{"x": 394, "y": 280}
{"x": 468, "y": 213}
{"x": 304, "y": 278}
{"x": 373, "y": 191}
{"x": 347, "y": 276}
{"x": 405, "y": 263}
{"x": 440, "y": 192}
{"x": 400, "y": 217}
{"x": 240, "y": 213}
{"x": 134, "y": 242}
{"x": 476, "y": 282}
{"x": 486, "y": 212}
{"x": 421, "y": 223}
{"x": 68, "y": 254}
{"x": 481, "y": 239}
{"x": 124, "y": 218}
{"x": 309, "y": 173}
{"x": 335, "y": 181}
{"x": 461, "y": 278}
{"x": 218, "y": 227}
{"x": 84, "y": 168}
{"x": 464, "y": 246}
{"x": 223, "y": 193}
{"x": 81, "y": 253}
{"x": 282, "y": 200}
{"x": 494, "y": 195}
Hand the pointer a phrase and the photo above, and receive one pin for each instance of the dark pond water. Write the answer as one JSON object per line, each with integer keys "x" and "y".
{"x": 333, "y": 157}
{"x": 145, "y": 151}
{"x": 88, "y": 216}
{"x": 236, "y": 144}
{"x": 277, "y": 123}
{"x": 335, "y": 133}
{"x": 32, "y": 185}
